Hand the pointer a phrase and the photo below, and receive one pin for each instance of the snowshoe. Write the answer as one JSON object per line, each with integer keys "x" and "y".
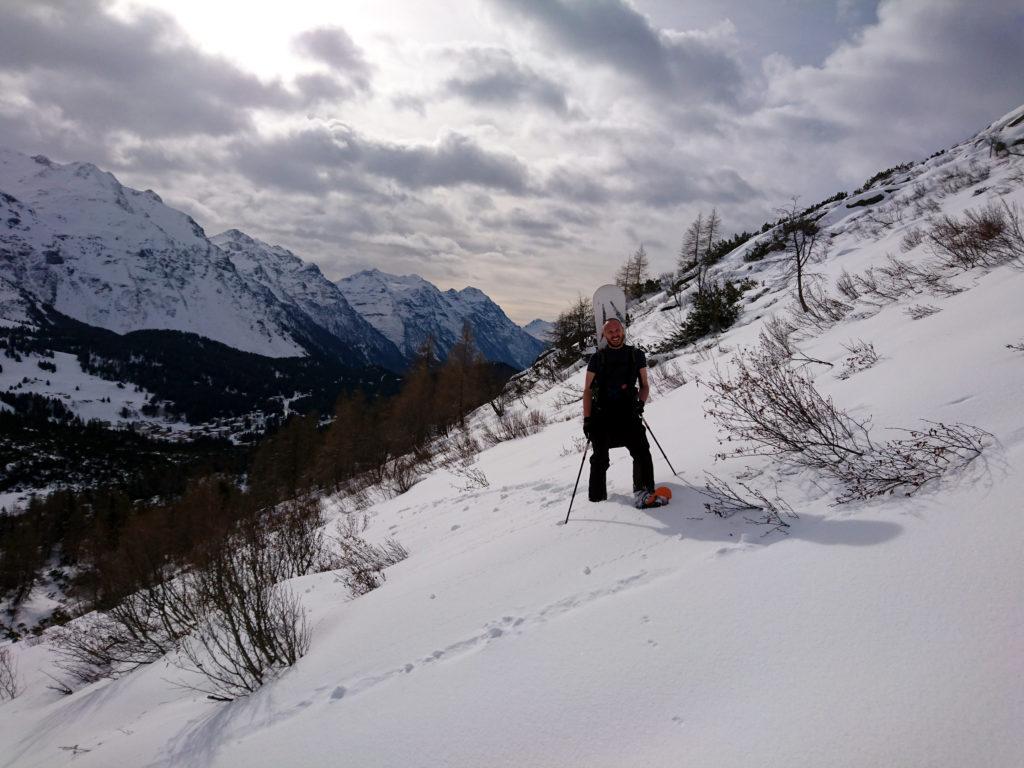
{"x": 659, "y": 497}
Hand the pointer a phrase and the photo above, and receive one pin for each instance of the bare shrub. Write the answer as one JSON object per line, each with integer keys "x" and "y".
{"x": 921, "y": 311}
{"x": 400, "y": 473}
{"x": 773, "y": 410}
{"x": 862, "y": 355}
{"x": 847, "y": 286}
{"x": 912, "y": 238}
{"x": 362, "y": 564}
{"x": 776, "y": 338}
{"x": 823, "y": 307}
{"x": 567, "y": 396}
{"x": 139, "y": 630}
{"x": 725, "y": 502}
{"x": 927, "y": 207}
{"x": 459, "y": 448}
{"x": 576, "y": 446}
{"x": 252, "y": 627}
{"x": 296, "y": 529}
{"x": 10, "y": 684}
{"x": 1018, "y": 347}
{"x": 986, "y": 237}
{"x": 459, "y": 457}
{"x": 667, "y": 377}
{"x": 513, "y": 425}
{"x": 958, "y": 177}
{"x": 908, "y": 463}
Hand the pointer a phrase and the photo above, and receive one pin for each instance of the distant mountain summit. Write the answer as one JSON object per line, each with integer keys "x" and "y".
{"x": 540, "y": 329}
{"x": 408, "y": 310}
{"x": 302, "y": 285}
{"x": 72, "y": 237}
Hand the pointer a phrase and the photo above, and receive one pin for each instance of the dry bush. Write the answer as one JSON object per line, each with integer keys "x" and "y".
{"x": 252, "y": 627}
{"x": 862, "y": 355}
{"x": 667, "y": 377}
{"x": 568, "y": 395}
{"x": 362, "y": 564}
{"x": 459, "y": 457}
{"x": 823, "y": 308}
{"x": 296, "y": 533}
{"x": 959, "y": 177}
{"x": 767, "y": 409}
{"x": 1018, "y": 347}
{"x": 139, "y": 630}
{"x": 772, "y": 410}
{"x": 400, "y": 473}
{"x": 776, "y": 338}
{"x": 227, "y": 617}
{"x": 906, "y": 464}
{"x": 911, "y": 239}
{"x": 921, "y": 311}
{"x": 898, "y": 279}
{"x": 847, "y": 286}
{"x": 986, "y": 237}
{"x": 513, "y": 425}
{"x": 926, "y": 207}
{"x": 725, "y": 502}
{"x": 576, "y": 447}
{"x": 10, "y": 684}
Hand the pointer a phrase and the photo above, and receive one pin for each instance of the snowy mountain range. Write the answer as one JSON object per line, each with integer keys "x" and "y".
{"x": 74, "y": 238}
{"x": 110, "y": 256}
{"x": 408, "y": 310}
{"x": 296, "y": 283}
{"x": 81, "y": 251}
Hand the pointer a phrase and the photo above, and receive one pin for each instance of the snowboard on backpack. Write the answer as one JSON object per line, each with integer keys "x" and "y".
{"x": 609, "y": 302}
{"x": 657, "y": 498}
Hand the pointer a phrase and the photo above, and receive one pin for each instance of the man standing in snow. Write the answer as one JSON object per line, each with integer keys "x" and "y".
{"x": 613, "y": 410}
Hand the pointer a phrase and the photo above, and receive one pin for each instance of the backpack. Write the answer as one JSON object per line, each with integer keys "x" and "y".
{"x": 614, "y": 386}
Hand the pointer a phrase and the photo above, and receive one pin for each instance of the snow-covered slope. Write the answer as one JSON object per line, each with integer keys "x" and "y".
{"x": 878, "y": 633}
{"x": 117, "y": 258}
{"x": 408, "y": 310}
{"x": 302, "y": 285}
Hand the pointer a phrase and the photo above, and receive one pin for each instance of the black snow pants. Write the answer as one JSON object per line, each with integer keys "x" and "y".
{"x": 614, "y": 431}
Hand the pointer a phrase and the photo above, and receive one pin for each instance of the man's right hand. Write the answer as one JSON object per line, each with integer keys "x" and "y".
{"x": 587, "y": 427}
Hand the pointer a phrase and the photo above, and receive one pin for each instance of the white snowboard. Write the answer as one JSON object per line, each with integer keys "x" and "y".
{"x": 609, "y": 302}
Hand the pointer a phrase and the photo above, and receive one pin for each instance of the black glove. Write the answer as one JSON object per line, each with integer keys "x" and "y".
{"x": 638, "y": 408}
{"x": 587, "y": 427}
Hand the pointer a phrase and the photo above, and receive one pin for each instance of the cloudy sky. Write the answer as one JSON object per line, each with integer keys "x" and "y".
{"x": 522, "y": 146}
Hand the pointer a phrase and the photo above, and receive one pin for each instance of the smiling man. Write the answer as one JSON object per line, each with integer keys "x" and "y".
{"x": 613, "y": 408}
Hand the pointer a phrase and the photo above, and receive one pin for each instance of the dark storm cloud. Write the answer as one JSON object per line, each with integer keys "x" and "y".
{"x": 613, "y": 33}
{"x": 496, "y": 78}
{"x": 320, "y": 159}
{"x": 138, "y": 75}
{"x": 334, "y": 47}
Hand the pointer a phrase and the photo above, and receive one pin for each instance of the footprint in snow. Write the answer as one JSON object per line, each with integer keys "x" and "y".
{"x": 455, "y": 527}
{"x": 338, "y": 693}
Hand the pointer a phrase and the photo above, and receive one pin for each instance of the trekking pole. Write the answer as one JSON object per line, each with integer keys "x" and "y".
{"x": 585, "y": 449}
{"x": 659, "y": 446}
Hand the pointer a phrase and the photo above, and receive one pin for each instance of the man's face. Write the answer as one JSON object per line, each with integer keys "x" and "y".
{"x": 614, "y": 333}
